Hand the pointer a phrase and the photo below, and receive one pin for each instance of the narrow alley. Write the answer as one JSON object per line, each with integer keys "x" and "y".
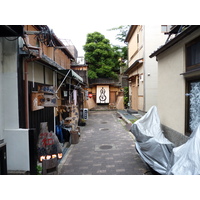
{"x": 105, "y": 148}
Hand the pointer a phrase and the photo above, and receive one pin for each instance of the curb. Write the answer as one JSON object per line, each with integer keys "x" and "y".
{"x": 60, "y": 165}
{"x": 128, "y": 122}
{"x": 63, "y": 160}
{"x": 124, "y": 118}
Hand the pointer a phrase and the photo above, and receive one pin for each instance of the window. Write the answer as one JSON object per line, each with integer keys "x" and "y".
{"x": 193, "y": 55}
{"x": 193, "y": 102}
{"x": 192, "y": 51}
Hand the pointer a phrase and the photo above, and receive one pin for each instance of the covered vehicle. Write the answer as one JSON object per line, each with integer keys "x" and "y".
{"x": 151, "y": 143}
{"x": 161, "y": 154}
{"x": 185, "y": 159}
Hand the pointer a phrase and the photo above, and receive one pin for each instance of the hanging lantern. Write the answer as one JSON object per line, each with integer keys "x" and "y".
{"x": 90, "y": 95}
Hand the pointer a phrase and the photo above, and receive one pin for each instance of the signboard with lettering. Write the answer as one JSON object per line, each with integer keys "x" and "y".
{"x": 46, "y": 89}
{"x": 49, "y": 101}
{"x": 36, "y": 101}
{"x": 41, "y": 100}
{"x": 102, "y": 94}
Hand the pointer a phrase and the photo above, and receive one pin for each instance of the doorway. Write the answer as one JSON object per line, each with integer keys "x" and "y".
{"x": 135, "y": 93}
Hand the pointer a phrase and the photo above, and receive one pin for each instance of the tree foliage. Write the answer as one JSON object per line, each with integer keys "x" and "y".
{"x": 102, "y": 58}
{"x": 122, "y": 33}
{"x": 123, "y": 30}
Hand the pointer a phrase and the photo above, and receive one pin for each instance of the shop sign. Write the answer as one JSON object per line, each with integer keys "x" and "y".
{"x": 40, "y": 100}
{"x": 46, "y": 89}
{"x": 102, "y": 94}
{"x": 49, "y": 101}
{"x": 48, "y": 145}
{"x": 36, "y": 99}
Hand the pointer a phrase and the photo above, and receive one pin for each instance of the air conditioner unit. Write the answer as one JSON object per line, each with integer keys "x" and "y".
{"x": 85, "y": 113}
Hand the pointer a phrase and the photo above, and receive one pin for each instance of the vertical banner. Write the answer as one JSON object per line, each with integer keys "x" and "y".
{"x": 102, "y": 95}
{"x": 75, "y": 96}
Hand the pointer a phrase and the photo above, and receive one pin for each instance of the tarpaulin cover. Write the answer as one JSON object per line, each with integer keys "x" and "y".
{"x": 186, "y": 158}
{"x": 151, "y": 144}
{"x": 159, "y": 153}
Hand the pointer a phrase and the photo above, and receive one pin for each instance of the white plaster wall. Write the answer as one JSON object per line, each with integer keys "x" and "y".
{"x": 152, "y": 40}
{"x": 16, "y": 139}
{"x": 10, "y": 88}
{"x": 171, "y": 85}
{"x": 17, "y": 149}
{"x": 135, "y": 51}
{"x": 171, "y": 89}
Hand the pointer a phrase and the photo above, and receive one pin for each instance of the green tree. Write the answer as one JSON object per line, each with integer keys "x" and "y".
{"x": 102, "y": 58}
{"x": 123, "y": 50}
{"x": 123, "y": 30}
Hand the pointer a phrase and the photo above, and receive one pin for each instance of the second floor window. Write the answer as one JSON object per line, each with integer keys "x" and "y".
{"x": 193, "y": 55}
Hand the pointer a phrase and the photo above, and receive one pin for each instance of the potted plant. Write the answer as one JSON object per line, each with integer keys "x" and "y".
{"x": 82, "y": 122}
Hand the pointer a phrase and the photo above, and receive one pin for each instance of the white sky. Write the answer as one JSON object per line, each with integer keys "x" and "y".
{"x": 77, "y": 33}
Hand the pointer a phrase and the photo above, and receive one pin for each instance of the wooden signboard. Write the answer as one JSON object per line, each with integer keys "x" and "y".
{"x": 102, "y": 94}
{"x": 36, "y": 99}
{"x": 49, "y": 101}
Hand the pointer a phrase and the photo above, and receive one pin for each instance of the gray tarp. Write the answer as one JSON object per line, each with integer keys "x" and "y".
{"x": 159, "y": 153}
{"x": 151, "y": 144}
{"x": 185, "y": 159}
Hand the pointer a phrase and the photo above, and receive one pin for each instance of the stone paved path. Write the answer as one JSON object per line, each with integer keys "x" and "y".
{"x": 105, "y": 148}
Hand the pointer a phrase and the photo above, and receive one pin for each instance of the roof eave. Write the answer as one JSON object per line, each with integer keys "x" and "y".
{"x": 174, "y": 40}
{"x": 130, "y": 33}
{"x": 135, "y": 64}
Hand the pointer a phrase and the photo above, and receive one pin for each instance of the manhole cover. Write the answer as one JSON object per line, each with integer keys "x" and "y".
{"x": 103, "y": 129}
{"x": 106, "y": 147}
{"x": 104, "y": 122}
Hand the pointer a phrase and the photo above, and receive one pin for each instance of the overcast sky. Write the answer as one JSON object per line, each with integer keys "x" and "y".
{"x": 77, "y": 33}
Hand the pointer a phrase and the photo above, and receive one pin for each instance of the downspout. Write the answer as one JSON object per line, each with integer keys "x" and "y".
{"x": 144, "y": 70}
{"x": 26, "y": 94}
{"x": 26, "y": 61}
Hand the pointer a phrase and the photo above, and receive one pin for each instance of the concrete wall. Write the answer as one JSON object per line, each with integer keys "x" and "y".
{"x": 152, "y": 40}
{"x": 171, "y": 89}
{"x": 90, "y": 103}
{"x": 144, "y": 41}
{"x": 135, "y": 50}
{"x": 120, "y": 103}
{"x": 17, "y": 142}
{"x": 16, "y": 139}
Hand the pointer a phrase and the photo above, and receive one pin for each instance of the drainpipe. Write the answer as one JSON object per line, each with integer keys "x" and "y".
{"x": 144, "y": 71}
{"x": 26, "y": 40}
{"x": 26, "y": 93}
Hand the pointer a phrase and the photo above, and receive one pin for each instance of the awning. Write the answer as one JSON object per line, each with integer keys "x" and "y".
{"x": 191, "y": 73}
{"x": 71, "y": 74}
{"x": 133, "y": 66}
{"x": 132, "y": 77}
